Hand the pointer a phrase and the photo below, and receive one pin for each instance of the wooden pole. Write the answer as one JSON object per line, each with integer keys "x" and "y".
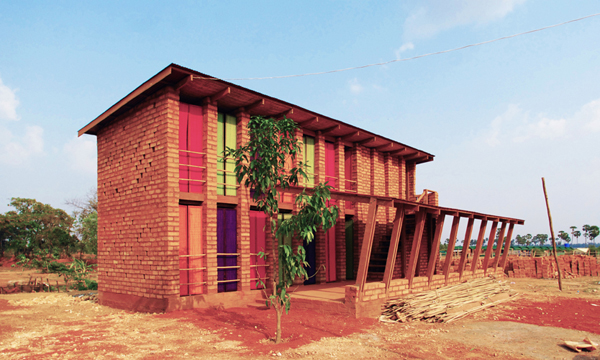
{"x": 552, "y": 235}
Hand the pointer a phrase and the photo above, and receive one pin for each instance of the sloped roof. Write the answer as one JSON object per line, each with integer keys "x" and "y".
{"x": 195, "y": 86}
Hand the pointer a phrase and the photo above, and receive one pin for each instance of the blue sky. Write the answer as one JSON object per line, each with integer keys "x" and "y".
{"x": 498, "y": 117}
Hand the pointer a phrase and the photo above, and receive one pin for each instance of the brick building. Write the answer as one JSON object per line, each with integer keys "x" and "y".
{"x": 175, "y": 231}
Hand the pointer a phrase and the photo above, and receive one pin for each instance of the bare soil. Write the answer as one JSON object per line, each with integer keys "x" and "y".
{"x": 49, "y": 326}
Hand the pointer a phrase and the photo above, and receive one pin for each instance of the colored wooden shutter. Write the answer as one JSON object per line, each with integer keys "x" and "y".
{"x": 330, "y": 164}
{"x": 330, "y": 254}
{"x": 191, "y": 256}
{"x": 258, "y": 221}
{"x": 226, "y": 137}
{"x": 309, "y": 159}
{"x": 191, "y": 158}
{"x": 226, "y": 250}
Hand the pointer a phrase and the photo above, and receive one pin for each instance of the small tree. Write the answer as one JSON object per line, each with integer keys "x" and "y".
{"x": 564, "y": 236}
{"x": 576, "y": 235}
{"x": 86, "y": 222}
{"x": 540, "y": 239}
{"x": 593, "y": 232}
{"x": 260, "y": 165}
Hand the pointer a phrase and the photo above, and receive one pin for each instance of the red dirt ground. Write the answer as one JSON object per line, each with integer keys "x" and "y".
{"x": 256, "y": 325}
{"x": 575, "y": 314}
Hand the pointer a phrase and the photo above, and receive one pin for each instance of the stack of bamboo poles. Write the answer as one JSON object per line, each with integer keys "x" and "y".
{"x": 448, "y": 303}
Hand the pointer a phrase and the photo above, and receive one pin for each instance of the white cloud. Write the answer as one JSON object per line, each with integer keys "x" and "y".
{"x": 518, "y": 126}
{"x": 405, "y": 47}
{"x": 15, "y": 150}
{"x": 436, "y": 16}
{"x": 355, "y": 86}
{"x": 81, "y": 153}
{"x": 8, "y": 103}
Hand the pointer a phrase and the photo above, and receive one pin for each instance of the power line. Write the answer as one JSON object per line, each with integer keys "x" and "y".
{"x": 406, "y": 59}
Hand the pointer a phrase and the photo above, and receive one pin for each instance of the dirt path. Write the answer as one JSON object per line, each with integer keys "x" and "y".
{"x": 47, "y": 326}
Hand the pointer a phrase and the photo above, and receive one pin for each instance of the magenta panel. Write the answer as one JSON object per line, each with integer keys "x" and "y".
{"x": 330, "y": 164}
{"x": 195, "y": 134}
{"x": 184, "y": 173}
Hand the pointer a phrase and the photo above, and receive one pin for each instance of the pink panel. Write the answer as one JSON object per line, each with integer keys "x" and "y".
{"x": 183, "y": 250}
{"x": 194, "y": 229}
{"x": 195, "y": 134}
{"x": 258, "y": 220}
{"x": 183, "y": 145}
{"x": 330, "y": 254}
{"x": 330, "y": 164}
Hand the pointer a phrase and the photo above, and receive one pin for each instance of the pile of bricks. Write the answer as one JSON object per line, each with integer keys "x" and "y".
{"x": 545, "y": 267}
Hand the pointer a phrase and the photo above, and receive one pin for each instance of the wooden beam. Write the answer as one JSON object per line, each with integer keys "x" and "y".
{"x": 254, "y": 105}
{"x": 289, "y": 111}
{"x": 309, "y": 122}
{"x": 479, "y": 245}
{"x": 367, "y": 245}
{"x": 507, "y": 245}
{"x": 366, "y": 141}
{"x": 450, "y": 250}
{"x": 414, "y": 156}
{"x": 220, "y": 94}
{"x": 435, "y": 247}
{"x": 465, "y": 249}
{"x": 398, "y": 152}
{"x": 409, "y": 153}
{"x": 393, "y": 250}
{"x": 389, "y": 146}
{"x": 331, "y": 129}
{"x": 416, "y": 245}
{"x": 351, "y": 135}
{"x": 490, "y": 245}
{"x": 499, "y": 245}
{"x": 186, "y": 80}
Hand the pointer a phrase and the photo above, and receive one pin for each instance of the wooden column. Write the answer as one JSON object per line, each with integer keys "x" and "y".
{"x": 367, "y": 245}
{"x": 435, "y": 247}
{"x": 499, "y": 245}
{"x": 416, "y": 245}
{"x": 490, "y": 245}
{"x": 507, "y": 245}
{"x": 465, "y": 249}
{"x": 393, "y": 251}
{"x": 450, "y": 250}
{"x": 479, "y": 245}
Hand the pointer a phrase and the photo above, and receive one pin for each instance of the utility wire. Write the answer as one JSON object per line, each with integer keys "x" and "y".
{"x": 405, "y": 59}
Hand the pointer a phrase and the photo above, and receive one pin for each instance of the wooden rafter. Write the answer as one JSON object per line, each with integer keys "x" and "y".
{"x": 351, "y": 135}
{"x": 366, "y": 141}
{"x": 490, "y": 245}
{"x": 367, "y": 245}
{"x": 186, "y": 80}
{"x": 309, "y": 122}
{"x": 479, "y": 245}
{"x": 387, "y": 147}
{"x": 499, "y": 245}
{"x": 507, "y": 245}
{"x": 416, "y": 246}
{"x": 435, "y": 247}
{"x": 393, "y": 250}
{"x": 254, "y": 105}
{"x": 220, "y": 94}
{"x": 450, "y": 250}
{"x": 466, "y": 247}
{"x": 331, "y": 129}
{"x": 398, "y": 152}
{"x": 287, "y": 112}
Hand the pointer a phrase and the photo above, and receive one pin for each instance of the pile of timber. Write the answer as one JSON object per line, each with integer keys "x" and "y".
{"x": 448, "y": 303}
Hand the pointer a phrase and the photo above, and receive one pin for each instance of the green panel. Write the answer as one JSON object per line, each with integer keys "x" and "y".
{"x": 230, "y": 141}
{"x": 220, "y": 148}
{"x": 309, "y": 158}
{"x": 349, "y": 249}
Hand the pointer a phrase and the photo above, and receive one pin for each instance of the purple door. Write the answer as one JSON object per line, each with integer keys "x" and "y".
{"x": 227, "y": 249}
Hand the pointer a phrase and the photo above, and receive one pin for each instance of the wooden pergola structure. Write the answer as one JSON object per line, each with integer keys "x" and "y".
{"x": 420, "y": 210}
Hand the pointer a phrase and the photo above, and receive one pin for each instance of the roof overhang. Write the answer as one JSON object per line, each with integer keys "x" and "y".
{"x": 196, "y": 88}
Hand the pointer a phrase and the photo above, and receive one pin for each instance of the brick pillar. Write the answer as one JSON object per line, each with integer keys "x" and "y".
{"x": 320, "y": 178}
{"x": 209, "y": 207}
{"x": 340, "y": 226}
{"x": 402, "y": 178}
{"x": 243, "y": 212}
{"x": 410, "y": 180}
{"x": 363, "y": 186}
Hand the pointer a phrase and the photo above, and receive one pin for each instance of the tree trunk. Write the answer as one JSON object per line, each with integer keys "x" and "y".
{"x": 279, "y": 310}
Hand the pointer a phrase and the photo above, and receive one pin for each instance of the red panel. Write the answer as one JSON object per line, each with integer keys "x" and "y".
{"x": 330, "y": 164}
{"x": 183, "y": 145}
{"x": 195, "y": 144}
{"x": 183, "y": 249}
{"x": 258, "y": 221}
{"x": 330, "y": 254}
{"x": 348, "y": 175}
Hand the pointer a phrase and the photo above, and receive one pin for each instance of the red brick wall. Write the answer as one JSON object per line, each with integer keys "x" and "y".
{"x": 138, "y": 216}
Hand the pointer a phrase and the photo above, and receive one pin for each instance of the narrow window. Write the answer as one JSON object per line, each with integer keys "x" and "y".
{"x": 309, "y": 159}
{"x": 191, "y": 254}
{"x": 258, "y": 221}
{"x": 227, "y": 255}
{"x": 191, "y": 157}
